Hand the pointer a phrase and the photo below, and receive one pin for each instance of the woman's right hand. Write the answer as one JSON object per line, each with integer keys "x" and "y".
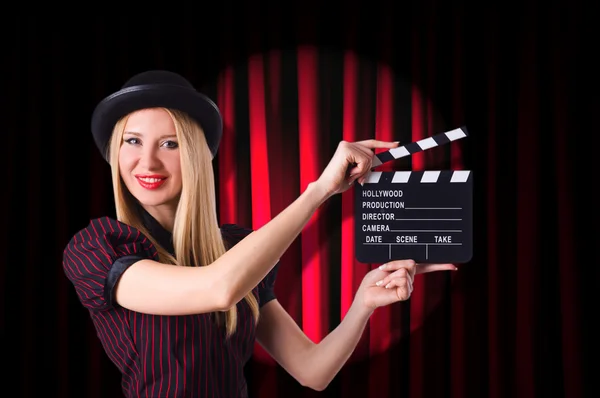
{"x": 350, "y": 162}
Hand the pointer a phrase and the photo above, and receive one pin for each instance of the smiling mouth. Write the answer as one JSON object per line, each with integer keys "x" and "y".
{"x": 151, "y": 182}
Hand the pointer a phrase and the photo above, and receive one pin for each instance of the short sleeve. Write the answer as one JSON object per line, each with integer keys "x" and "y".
{"x": 266, "y": 288}
{"x": 96, "y": 257}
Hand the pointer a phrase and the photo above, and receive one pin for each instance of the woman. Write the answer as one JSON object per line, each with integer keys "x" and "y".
{"x": 177, "y": 301}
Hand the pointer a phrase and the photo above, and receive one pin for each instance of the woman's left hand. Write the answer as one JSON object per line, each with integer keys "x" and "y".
{"x": 393, "y": 282}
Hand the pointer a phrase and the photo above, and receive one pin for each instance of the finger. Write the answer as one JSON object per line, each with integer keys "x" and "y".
{"x": 360, "y": 165}
{"x": 397, "y": 264}
{"x": 356, "y": 155}
{"x": 401, "y": 286}
{"x": 409, "y": 284}
{"x": 363, "y": 149}
{"x": 424, "y": 268}
{"x": 372, "y": 144}
{"x": 401, "y": 273}
{"x": 408, "y": 266}
{"x": 362, "y": 177}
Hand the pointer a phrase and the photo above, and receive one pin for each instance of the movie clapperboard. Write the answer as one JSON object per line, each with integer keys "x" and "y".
{"x": 421, "y": 215}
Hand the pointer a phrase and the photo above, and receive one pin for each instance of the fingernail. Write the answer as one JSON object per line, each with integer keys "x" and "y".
{"x": 379, "y": 283}
{"x": 382, "y": 266}
{"x": 388, "y": 285}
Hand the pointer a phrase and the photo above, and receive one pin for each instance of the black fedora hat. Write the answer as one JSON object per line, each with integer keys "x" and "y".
{"x": 152, "y": 89}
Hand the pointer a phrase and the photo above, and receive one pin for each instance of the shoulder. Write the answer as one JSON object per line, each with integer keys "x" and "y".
{"x": 107, "y": 231}
{"x": 102, "y": 242}
{"x": 96, "y": 256}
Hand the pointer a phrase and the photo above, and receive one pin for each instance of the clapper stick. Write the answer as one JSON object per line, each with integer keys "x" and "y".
{"x": 421, "y": 215}
{"x": 419, "y": 146}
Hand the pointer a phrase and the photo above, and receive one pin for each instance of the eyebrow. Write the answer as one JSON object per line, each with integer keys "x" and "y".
{"x": 140, "y": 135}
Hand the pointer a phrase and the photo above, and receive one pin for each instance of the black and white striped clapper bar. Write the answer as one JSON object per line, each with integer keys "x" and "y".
{"x": 425, "y": 216}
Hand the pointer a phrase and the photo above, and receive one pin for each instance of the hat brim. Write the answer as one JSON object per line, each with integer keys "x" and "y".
{"x": 195, "y": 104}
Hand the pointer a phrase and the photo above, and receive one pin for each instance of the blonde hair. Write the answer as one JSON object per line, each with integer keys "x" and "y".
{"x": 197, "y": 238}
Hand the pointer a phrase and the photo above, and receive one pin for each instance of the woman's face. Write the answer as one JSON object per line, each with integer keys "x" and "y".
{"x": 149, "y": 159}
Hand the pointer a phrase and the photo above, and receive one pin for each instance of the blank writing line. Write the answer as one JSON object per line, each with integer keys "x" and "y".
{"x": 427, "y": 219}
{"x": 415, "y": 244}
{"x": 425, "y": 230}
{"x": 433, "y": 208}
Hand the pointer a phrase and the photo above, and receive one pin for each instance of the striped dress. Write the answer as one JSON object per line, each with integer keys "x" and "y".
{"x": 158, "y": 356}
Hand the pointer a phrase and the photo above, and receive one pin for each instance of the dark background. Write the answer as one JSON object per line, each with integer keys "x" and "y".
{"x": 523, "y": 84}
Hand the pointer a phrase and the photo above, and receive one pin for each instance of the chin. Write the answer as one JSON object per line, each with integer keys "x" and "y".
{"x": 145, "y": 200}
{"x": 152, "y": 203}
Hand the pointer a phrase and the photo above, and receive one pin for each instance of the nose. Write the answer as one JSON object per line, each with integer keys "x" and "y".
{"x": 149, "y": 158}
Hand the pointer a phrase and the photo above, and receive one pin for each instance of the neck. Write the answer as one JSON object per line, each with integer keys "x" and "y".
{"x": 164, "y": 214}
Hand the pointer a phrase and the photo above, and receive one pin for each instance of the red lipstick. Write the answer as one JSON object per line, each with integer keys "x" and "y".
{"x": 150, "y": 181}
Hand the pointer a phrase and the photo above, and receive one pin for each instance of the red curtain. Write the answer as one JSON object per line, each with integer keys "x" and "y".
{"x": 471, "y": 333}
{"x": 510, "y": 323}
{"x": 362, "y": 94}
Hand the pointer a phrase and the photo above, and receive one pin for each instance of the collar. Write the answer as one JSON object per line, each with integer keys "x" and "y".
{"x": 158, "y": 232}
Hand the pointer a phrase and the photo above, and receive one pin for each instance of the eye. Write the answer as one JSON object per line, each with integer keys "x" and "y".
{"x": 170, "y": 144}
{"x": 132, "y": 141}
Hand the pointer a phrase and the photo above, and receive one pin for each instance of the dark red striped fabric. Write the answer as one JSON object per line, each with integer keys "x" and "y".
{"x": 158, "y": 356}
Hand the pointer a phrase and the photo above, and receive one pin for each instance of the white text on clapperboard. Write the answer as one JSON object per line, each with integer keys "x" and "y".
{"x": 388, "y": 193}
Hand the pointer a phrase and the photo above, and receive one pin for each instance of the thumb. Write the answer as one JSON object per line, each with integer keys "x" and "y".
{"x": 425, "y": 267}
